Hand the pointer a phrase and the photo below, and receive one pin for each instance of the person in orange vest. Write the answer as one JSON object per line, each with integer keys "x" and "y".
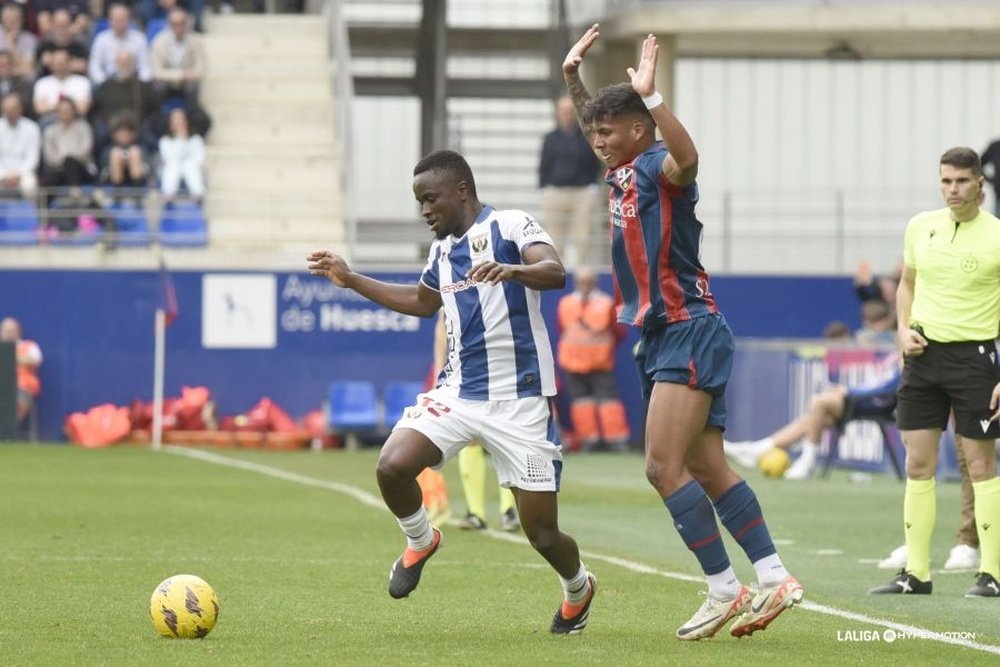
{"x": 29, "y": 358}
{"x": 588, "y": 335}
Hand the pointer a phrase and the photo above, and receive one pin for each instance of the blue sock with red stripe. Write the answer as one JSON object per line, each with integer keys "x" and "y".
{"x": 694, "y": 519}
{"x": 740, "y": 513}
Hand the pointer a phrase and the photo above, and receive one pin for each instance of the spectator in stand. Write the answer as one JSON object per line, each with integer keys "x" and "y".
{"x": 77, "y": 11}
{"x": 567, "y": 175}
{"x": 68, "y": 149}
{"x": 125, "y": 164}
{"x": 871, "y": 287}
{"x": 19, "y": 144}
{"x": 11, "y": 83}
{"x": 61, "y": 83}
{"x": 878, "y": 324}
{"x": 124, "y": 92}
{"x": 836, "y": 330}
{"x": 178, "y": 59}
{"x": 991, "y": 171}
{"x": 588, "y": 335}
{"x": 28, "y": 359}
{"x": 183, "y": 159}
{"x": 61, "y": 36}
{"x": 120, "y": 35}
{"x": 17, "y": 40}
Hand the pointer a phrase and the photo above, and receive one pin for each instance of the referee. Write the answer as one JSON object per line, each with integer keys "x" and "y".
{"x": 948, "y": 309}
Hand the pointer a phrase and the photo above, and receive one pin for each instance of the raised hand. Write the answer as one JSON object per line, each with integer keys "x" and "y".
{"x": 575, "y": 56}
{"x": 643, "y": 78}
{"x": 329, "y": 265}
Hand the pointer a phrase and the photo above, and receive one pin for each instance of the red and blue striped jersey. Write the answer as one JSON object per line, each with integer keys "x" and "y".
{"x": 655, "y": 244}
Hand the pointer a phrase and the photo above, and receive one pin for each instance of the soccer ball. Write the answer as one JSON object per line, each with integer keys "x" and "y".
{"x": 184, "y": 606}
{"x": 774, "y": 462}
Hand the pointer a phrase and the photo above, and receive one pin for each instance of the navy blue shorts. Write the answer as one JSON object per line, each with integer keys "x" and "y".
{"x": 697, "y": 353}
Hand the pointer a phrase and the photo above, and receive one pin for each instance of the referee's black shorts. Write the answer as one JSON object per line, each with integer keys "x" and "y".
{"x": 959, "y": 376}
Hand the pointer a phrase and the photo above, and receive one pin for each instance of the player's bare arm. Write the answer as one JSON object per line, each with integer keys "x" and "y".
{"x": 418, "y": 299}
{"x": 571, "y": 73}
{"x": 680, "y": 167}
{"x": 911, "y": 342}
{"x": 542, "y": 269}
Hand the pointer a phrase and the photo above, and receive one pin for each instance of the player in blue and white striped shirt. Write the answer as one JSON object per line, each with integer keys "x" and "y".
{"x": 485, "y": 269}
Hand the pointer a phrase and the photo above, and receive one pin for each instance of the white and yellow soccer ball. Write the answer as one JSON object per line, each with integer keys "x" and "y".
{"x": 774, "y": 462}
{"x": 184, "y": 607}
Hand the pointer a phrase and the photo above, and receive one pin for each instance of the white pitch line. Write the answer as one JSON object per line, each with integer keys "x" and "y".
{"x": 371, "y": 500}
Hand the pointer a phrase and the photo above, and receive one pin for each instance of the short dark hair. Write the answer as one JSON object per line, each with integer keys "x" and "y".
{"x": 613, "y": 101}
{"x": 963, "y": 157}
{"x": 450, "y": 162}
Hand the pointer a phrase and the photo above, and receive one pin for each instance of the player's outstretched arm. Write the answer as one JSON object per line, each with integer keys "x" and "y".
{"x": 418, "y": 299}
{"x": 571, "y": 73}
{"x": 680, "y": 167}
{"x": 542, "y": 269}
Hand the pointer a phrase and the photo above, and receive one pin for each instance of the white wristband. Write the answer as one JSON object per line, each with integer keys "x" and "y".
{"x": 653, "y": 100}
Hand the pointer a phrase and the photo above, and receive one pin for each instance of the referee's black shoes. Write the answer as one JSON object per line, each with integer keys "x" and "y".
{"x": 904, "y": 583}
{"x": 986, "y": 587}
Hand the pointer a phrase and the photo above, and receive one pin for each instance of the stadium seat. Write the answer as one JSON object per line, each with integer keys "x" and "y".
{"x": 183, "y": 224}
{"x": 397, "y": 397}
{"x": 353, "y": 410}
{"x": 154, "y": 27}
{"x": 18, "y": 223}
{"x": 132, "y": 225}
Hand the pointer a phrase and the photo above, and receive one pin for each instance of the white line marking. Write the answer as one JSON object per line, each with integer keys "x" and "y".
{"x": 828, "y": 552}
{"x": 371, "y": 500}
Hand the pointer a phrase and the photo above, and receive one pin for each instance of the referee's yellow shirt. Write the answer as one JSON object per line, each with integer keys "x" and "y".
{"x": 957, "y": 290}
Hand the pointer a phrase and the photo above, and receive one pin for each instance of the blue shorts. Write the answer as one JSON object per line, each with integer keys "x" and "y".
{"x": 697, "y": 353}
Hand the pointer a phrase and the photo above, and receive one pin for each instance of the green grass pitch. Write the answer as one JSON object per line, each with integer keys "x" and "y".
{"x": 301, "y": 569}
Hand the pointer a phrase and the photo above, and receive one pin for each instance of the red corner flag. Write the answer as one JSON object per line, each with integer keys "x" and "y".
{"x": 168, "y": 295}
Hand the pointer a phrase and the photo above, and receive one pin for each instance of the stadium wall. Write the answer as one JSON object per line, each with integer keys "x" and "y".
{"x": 287, "y": 335}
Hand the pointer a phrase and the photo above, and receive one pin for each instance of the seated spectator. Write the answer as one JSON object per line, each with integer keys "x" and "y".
{"x": 14, "y": 38}
{"x": 829, "y": 408}
{"x": 19, "y": 146}
{"x": 77, "y": 11}
{"x": 11, "y": 83}
{"x": 837, "y": 330}
{"x": 68, "y": 149}
{"x": 28, "y": 359}
{"x": 61, "y": 36}
{"x": 870, "y": 287}
{"x": 124, "y": 92}
{"x": 878, "y": 323}
{"x": 178, "y": 59}
{"x": 119, "y": 35}
{"x": 61, "y": 83}
{"x": 125, "y": 163}
{"x": 183, "y": 159}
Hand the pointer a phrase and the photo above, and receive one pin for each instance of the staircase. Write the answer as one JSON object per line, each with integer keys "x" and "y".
{"x": 274, "y": 181}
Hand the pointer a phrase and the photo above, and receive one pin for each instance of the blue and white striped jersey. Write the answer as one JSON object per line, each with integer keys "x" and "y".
{"x": 498, "y": 346}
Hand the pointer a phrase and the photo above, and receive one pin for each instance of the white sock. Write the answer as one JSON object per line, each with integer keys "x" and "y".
{"x": 417, "y": 528}
{"x": 770, "y": 570}
{"x": 810, "y": 449}
{"x": 575, "y": 589}
{"x": 724, "y": 585}
{"x": 758, "y": 447}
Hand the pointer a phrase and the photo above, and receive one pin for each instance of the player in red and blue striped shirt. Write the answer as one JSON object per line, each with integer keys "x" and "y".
{"x": 686, "y": 349}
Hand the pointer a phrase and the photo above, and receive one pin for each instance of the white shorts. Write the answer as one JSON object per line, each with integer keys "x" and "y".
{"x": 519, "y": 433}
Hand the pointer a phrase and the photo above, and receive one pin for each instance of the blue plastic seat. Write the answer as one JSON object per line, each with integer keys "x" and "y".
{"x": 183, "y": 224}
{"x": 18, "y": 223}
{"x": 353, "y": 406}
{"x": 397, "y": 397}
{"x": 133, "y": 227}
{"x": 154, "y": 27}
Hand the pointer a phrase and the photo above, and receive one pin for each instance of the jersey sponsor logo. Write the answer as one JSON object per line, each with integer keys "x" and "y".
{"x": 531, "y": 227}
{"x": 621, "y": 212}
{"x": 625, "y": 176}
{"x": 479, "y": 244}
{"x": 460, "y": 286}
{"x": 969, "y": 263}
